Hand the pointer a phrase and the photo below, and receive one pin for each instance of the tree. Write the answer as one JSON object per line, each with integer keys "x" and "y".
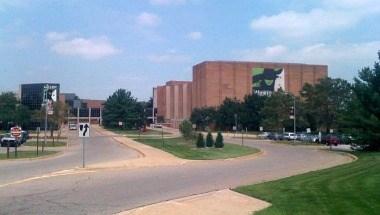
{"x": 219, "y": 142}
{"x": 8, "y": 103}
{"x": 203, "y": 117}
{"x": 250, "y": 116}
{"x": 121, "y": 106}
{"x": 200, "y": 141}
{"x": 58, "y": 118}
{"x": 209, "y": 140}
{"x": 12, "y": 112}
{"x": 363, "y": 114}
{"x": 225, "y": 117}
{"x": 325, "y": 101}
{"x": 22, "y": 116}
{"x": 186, "y": 129}
{"x": 276, "y": 109}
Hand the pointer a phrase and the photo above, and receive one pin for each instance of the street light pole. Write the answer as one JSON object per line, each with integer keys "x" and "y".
{"x": 294, "y": 118}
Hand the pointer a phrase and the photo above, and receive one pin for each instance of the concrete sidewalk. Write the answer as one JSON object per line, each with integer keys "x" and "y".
{"x": 223, "y": 202}
{"x": 149, "y": 156}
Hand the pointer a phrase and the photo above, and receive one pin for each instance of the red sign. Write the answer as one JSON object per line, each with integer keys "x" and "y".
{"x": 16, "y": 131}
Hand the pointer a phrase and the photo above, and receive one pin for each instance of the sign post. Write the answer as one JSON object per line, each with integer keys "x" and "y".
{"x": 16, "y": 133}
{"x": 38, "y": 137}
{"x": 84, "y": 132}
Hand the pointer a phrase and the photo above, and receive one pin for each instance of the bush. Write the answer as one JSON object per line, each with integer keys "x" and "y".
{"x": 200, "y": 141}
{"x": 186, "y": 129}
{"x": 219, "y": 141}
{"x": 209, "y": 140}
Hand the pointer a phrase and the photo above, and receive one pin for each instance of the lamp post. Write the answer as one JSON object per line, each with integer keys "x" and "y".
{"x": 294, "y": 119}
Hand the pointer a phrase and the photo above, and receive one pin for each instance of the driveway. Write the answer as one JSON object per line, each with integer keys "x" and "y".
{"x": 99, "y": 149}
{"x": 114, "y": 190}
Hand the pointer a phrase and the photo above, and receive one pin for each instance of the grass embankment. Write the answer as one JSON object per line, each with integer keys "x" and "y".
{"x": 48, "y": 143}
{"x": 26, "y": 154}
{"x": 136, "y": 132}
{"x": 349, "y": 189}
{"x": 186, "y": 149}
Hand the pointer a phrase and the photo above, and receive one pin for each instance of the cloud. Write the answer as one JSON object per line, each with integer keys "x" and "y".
{"x": 87, "y": 48}
{"x": 167, "y": 2}
{"x": 195, "y": 35}
{"x": 334, "y": 15}
{"x": 171, "y": 57}
{"x": 343, "y": 59}
{"x": 148, "y": 19}
{"x": 293, "y": 24}
{"x": 5, "y": 4}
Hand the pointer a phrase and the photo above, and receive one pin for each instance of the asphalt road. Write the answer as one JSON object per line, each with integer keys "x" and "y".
{"x": 112, "y": 191}
{"x": 98, "y": 149}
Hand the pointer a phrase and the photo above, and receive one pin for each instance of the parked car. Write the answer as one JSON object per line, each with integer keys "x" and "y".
{"x": 275, "y": 136}
{"x": 72, "y": 126}
{"x": 289, "y": 136}
{"x": 357, "y": 147}
{"x": 24, "y": 136}
{"x": 8, "y": 139}
{"x": 263, "y": 135}
{"x": 331, "y": 139}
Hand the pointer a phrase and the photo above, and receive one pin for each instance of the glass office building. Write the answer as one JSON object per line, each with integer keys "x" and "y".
{"x": 32, "y": 94}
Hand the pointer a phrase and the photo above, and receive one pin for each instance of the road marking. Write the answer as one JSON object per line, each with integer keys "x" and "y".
{"x": 50, "y": 175}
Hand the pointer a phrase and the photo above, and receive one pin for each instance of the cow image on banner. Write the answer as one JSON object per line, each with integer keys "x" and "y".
{"x": 265, "y": 81}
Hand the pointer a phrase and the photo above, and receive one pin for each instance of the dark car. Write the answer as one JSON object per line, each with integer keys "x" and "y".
{"x": 24, "y": 136}
{"x": 331, "y": 139}
{"x": 275, "y": 136}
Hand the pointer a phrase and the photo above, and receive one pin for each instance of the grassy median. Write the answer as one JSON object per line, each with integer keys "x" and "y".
{"x": 26, "y": 154}
{"x": 349, "y": 189}
{"x": 48, "y": 143}
{"x": 186, "y": 149}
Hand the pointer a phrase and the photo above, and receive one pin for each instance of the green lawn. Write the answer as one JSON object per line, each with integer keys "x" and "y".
{"x": 136, "y": 132}
{"x": 348, "y": 189}
{"x": 186, "y": 149}
{"x": 48, "y": 143}
{"x": 25, "y": 154}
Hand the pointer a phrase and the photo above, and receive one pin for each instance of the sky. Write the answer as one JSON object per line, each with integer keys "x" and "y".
{"x": 94, "y": 47}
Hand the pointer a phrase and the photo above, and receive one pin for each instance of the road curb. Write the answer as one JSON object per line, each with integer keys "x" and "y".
{"x": 59, "y": 153}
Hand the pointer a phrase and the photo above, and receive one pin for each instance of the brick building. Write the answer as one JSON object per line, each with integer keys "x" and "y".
{"x": 214, "y": 81}
{"x": 173, "y": 102}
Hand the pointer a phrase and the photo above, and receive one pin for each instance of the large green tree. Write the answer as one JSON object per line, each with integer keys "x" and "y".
{"x": 12, "y": 112}
{"x": 363, "y": 115}
{"x": 324, "y": 103}
{"x": 250, "y": 116}
{"x": 203, "y": 117}
{"x": 276, "y": 111}
{"x": 225, "y": 117}
{"x": 121, "y": 106}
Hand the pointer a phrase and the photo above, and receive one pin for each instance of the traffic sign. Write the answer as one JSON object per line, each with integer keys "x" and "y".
{"x": 16, "y": 131}
{"x": 84, "y": 130}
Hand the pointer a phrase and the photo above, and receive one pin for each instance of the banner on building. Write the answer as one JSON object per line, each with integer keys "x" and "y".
{"x": 265, "y": 81}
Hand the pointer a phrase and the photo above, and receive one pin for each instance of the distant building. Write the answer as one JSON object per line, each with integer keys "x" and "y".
{"x": 32, "y": 95}
{"x": 83, "y": 109}
{"x": 214, "y": 81}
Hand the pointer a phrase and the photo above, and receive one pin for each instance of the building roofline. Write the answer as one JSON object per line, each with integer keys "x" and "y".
{"x": 258, "y": 62}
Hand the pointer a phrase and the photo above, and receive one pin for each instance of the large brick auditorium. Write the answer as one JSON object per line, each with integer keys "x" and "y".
{"x": 214, "y": 81}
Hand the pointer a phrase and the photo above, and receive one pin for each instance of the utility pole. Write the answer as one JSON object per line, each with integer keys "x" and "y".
{"x": 236, "y": 116}
{"x": 45, "y": 129}
{"x": 294, "y": 119}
